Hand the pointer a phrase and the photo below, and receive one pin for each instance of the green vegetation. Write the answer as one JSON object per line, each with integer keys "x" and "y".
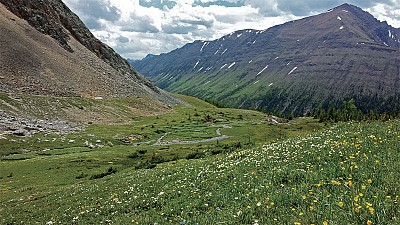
{"x": 264, "y": 173}
{"x": 348, "y": 111}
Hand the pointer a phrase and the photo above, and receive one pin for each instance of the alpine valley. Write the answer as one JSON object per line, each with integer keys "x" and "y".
{"x": 319, "y": 61}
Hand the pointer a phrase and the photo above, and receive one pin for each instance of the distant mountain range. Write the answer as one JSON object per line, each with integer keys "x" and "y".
{"x": 47, "y": 50}
{"x": 295, "y": 67}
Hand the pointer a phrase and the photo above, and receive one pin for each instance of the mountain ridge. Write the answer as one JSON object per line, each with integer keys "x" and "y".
{"x": 47, "y": 50}
{"x": 343, "y": 51}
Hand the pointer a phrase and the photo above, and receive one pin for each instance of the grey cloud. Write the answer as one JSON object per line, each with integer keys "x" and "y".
{"x": 307, "y": 7}
{"x": 219, "y": 3}
{"x": 160, "y": 4}
{"x": 178, "y": 29}
{"x": 122, "y": 39}
{"x": 185, "y": 26}
{"x": 90, "y": 11}
{"x": 142, "y": 24}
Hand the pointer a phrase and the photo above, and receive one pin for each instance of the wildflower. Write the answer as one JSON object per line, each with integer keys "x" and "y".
{"x": 356, "y": 198}
{"x": 340, "y": 204}
{"x": 369, "y": 181}
{"x": 311, "y": 208}
{"x": 259, "y": 204}
{"x": 297, "y": 223}
{"x": 369, "y": 222}
{"x": 363, "y": 187}
{"x": 303, "y": 197}
{"x": 371, "y": 210}
{"x": 325, "y": 222}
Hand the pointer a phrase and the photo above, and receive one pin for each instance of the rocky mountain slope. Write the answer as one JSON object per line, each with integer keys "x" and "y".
{"x": 294, "y": 67}
{"x": 45, "y": 49}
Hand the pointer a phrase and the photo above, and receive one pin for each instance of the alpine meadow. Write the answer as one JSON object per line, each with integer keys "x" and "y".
{"x": 296, "y": 124}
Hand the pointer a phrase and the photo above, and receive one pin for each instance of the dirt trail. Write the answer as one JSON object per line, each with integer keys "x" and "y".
{"x": 159, "y": 141}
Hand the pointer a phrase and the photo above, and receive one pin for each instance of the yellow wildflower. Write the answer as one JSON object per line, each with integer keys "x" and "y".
{"x": 369, "y": 181}
{"x": 303, "y": 197}
{"x": 371, "y": 210}
{"x": 369, "y": 222}
{"x": 363, "y": 187}
{"x": 340, "y": 204}
{"x": 325, "y": 222}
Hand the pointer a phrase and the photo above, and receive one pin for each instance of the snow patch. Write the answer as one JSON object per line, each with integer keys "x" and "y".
{"x": 224, "y": 51}
{"x": 207, "y": 82}
{"x": 345, "y": 11}
{"x": 292, "y": 70}
{"x": 341, "y": 28}
{"x": 262, "y": 70}
{"x": 256, "y": 82}
{"x": 230, "y": 66}
{"x": 270, "y": 84}
{"x": 239, "y": 35}
{"x": 391, "y": 35}
{"x": 216, "y": 52}
{"x": 223, "y": 66}
{"x": 385, "y": 44}
{"x": 205, "y": 44}
{"x": 254, "y": 41}
{"x": 288, "y": 63}
{"x": 339, "y": 18}
{"x": 329, "y": 11}
{"x": 250, "y": 61}
{"x": 276, "y": 58}
{"x": 196, "y": 64}
{"x": 200, "y": 69}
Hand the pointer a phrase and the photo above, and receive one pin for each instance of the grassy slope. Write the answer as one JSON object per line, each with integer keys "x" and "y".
{"x": 115, "y": 110}
{"x": 293, "y": 180}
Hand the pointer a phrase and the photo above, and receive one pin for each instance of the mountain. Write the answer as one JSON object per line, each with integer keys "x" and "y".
{"x": 295, "y": 67}
{"x": 47, "y": 50}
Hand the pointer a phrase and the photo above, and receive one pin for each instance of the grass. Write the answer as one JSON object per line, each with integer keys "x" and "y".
{"x": 263, "y": 174}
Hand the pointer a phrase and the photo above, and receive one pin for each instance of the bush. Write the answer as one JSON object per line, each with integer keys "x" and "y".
{"x": 134, "y": 155}
{"x": 101, "y": 175}
{"x": 195, "y": 155}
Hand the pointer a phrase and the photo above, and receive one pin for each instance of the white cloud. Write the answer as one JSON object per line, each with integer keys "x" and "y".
{"x": 135, "y": 28}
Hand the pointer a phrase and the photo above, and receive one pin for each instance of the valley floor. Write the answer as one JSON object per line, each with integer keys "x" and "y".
{"x": 264, "y": 173}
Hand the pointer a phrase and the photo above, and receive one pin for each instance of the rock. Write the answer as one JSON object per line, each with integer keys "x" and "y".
{"x": 21, "y": 132}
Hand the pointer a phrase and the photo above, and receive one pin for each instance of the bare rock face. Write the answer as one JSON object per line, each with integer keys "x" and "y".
{"x": 46, "y": 49}
{"x": 54, "y": 18}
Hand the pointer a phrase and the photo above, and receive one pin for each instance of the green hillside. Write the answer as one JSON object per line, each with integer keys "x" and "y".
{"x": 264, "y": 173}
{"x": 295, "y": 67}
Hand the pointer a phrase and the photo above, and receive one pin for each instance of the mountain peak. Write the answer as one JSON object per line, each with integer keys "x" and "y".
{"x": 343, "y": 53}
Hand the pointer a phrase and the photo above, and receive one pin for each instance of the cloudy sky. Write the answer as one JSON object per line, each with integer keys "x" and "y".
{"x": 135, "y": 28}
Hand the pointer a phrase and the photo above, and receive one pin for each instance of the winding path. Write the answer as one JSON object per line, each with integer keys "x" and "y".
{"x": 177, "y": 142}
